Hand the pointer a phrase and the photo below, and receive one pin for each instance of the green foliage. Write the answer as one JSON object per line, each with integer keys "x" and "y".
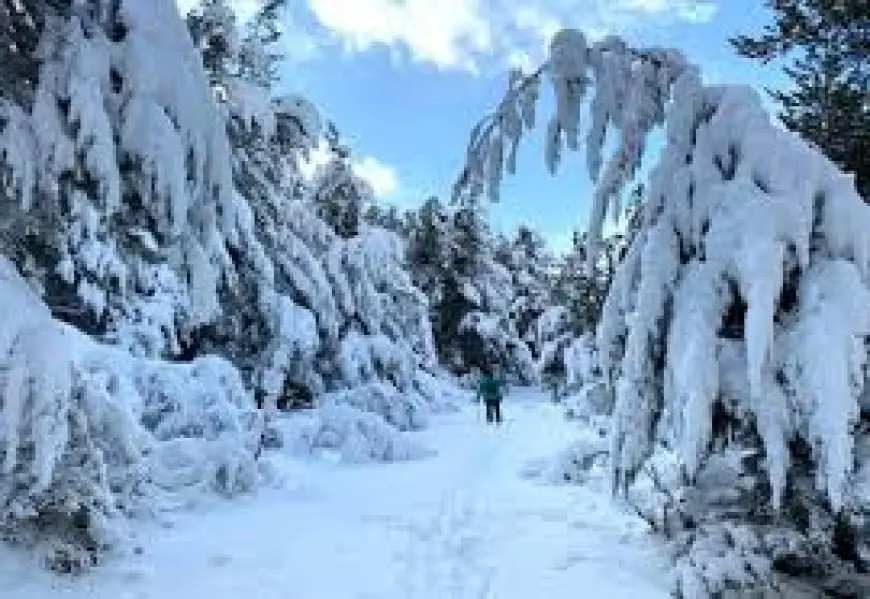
{"x": 827, "y": 53}
{"x": 340, "y": 196}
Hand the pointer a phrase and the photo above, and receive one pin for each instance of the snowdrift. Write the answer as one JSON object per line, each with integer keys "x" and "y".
{"x": 355, "y": 435}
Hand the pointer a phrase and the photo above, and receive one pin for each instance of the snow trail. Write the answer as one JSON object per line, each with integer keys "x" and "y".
{"x": 460, "y": 525}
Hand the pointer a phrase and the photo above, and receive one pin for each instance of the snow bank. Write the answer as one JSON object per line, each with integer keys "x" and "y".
{"x": 371, "y": 421}
{"x": 356, "y": 435}
{"x": 443, "y": 392}
{"x": 404, "y": 411}
{"x": 584, "y": 459}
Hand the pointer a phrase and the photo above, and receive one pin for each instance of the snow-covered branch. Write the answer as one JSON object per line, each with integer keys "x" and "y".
{"x": 630, "y": 89}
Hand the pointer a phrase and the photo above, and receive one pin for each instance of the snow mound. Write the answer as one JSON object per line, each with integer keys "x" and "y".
{"x": 591, "y": 399}
{"x": 355, "y": 435}
{"x": 404, "y": 411}
{"x": 443, "y": 392}
{"x": 584, "y": 459}
{"x": 201, "y": 417}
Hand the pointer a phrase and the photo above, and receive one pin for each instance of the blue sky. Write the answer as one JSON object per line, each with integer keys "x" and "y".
{"x": 405, "y": 80}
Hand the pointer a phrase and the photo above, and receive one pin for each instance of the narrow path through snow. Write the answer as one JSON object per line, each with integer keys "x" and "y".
{"x": 460, "y": 525}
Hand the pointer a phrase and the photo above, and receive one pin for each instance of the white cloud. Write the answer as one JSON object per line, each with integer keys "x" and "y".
{"x": 383, "y": 178}
{"x": 443, "y": 32}
{"x": 685, "y": 10}
{"x": 461, "y": 34}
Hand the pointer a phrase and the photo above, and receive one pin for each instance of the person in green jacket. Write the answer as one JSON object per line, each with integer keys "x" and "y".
{"x": 490, "y": 389}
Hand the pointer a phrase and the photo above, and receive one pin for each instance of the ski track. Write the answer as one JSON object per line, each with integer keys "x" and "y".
{"x": 460, "y": 525}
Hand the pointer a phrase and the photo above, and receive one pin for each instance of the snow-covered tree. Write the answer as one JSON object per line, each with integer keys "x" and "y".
{"x": 529, "y": 264}
{"x": 429, "y": 248}
{"x": 166, "y": 268}
{"x": 451, "y": 258}
{"x": 117, "y": 187}
{"x": 576, "y": 300}
{"x": 326, "y": 303}
{"x": 389, "y": 218}
{"x": 583, "y": 291}
{"x": 212, "y": 27}
{"x": 259, "y": 51}
{"x": 752, "y": 263}
{"x": 21, "y": 27}
{"x": 341, "y": 196}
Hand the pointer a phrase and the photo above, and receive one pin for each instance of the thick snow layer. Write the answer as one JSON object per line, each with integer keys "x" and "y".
{"x": 354, "y": 435}
{"x": 460, "y": 524}
{"x": 405, "y": 411}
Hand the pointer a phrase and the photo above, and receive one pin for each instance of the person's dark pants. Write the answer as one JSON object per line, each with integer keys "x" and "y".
{"x": 493, "y": 411}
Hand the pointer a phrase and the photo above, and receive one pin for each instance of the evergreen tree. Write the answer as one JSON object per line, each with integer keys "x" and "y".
{"x": 158, "y": 210}
{"x": 258, "y": 55}
{"x": 529, "y": 265}
{"x": 212, "y": 26}
{"x": 117, "y": 180}
{"x": 431, "y": 254}
{"x": 464, "y": 272}
{"x": 826, "y": 42}
{"x": 581, "y": 291}
{"x": 22, "y": 24}
{"x": 751, "y": 260}
{"x": 429, "y": 248}
{"x": 340, "y": 196}
{"x": 469, "y": 239}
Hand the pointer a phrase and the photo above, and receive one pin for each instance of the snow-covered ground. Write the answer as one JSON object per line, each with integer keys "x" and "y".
{"x": 461, "y": 524}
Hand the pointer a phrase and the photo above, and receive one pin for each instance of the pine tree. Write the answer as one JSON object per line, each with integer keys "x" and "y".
{"x": 340, "y": 196}
{"x": 429, "y": 248}
{"x": 158, "y": 211}
{"x": 751, "y": 257}
{"x": 117, "y": 178}
{"x": 321, "y": 301}
{"x": 581, "y": 291}
{"x": 529, "y": 265}
{"x": 464, "y": 272}
{"x": 22, "y": 24}
{"x": 212, "y": 26}
{"x": 829, "y": 103}
{"x": 469, "y": 239}
{"x": 430, "y": 259}
{"x": 259, "y": 57}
